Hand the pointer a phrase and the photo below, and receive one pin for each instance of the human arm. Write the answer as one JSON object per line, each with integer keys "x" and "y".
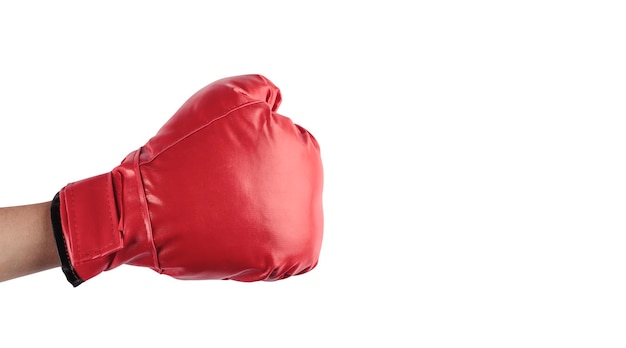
{"x": 27, "y": 242}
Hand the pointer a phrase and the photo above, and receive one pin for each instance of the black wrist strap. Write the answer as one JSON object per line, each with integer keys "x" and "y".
{"x": 57, "y": 227}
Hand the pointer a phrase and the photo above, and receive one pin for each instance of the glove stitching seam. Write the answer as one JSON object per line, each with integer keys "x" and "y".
{"x": 203, "y": 127}
{"x": 145, "y": 212}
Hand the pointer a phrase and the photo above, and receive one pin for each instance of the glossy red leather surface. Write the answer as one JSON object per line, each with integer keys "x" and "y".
{"x": 227, "y": 189}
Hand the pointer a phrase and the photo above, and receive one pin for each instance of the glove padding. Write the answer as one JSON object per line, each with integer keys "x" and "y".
{"x": 226, "y": 189}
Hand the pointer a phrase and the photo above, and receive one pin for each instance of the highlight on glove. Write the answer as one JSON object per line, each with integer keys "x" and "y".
{"x": 228, "y": 188}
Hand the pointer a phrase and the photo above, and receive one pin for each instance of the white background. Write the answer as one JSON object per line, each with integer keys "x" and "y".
{"x": 475, "y": 183}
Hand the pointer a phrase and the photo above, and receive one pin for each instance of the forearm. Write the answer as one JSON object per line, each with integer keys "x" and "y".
{"x": 27, "y": 242}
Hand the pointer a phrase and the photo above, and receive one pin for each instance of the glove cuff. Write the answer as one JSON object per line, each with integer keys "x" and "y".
{"x": 85, "y": 223}
{"x": 66, "y": 264}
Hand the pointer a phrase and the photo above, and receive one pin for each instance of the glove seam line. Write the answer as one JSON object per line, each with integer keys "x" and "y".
{"x": 201, "y": 128}
{"x": 145, "y": 212}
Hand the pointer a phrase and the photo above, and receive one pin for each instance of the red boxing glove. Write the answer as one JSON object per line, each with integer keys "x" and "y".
{"x": 227, "y": 189}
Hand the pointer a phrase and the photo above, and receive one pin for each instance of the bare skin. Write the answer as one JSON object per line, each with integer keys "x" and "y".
{"x": 27, "y": 242}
